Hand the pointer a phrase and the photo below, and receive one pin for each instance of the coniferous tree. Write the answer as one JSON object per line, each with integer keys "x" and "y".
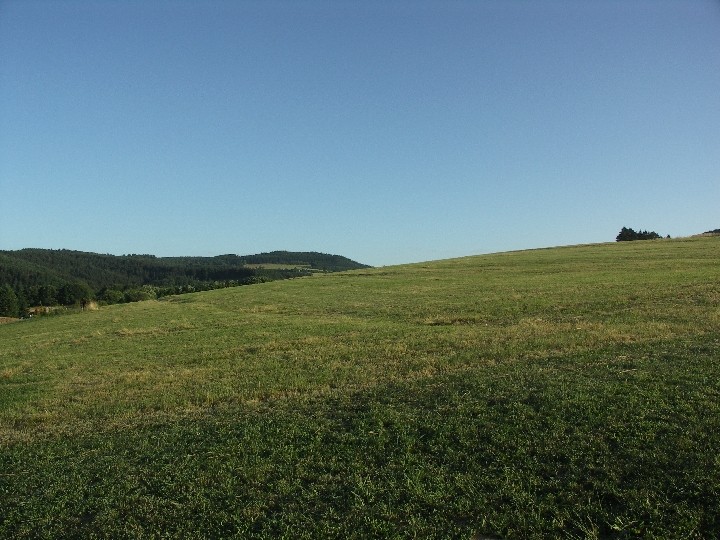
{"x": 8, "y": 302}
{"x": 625, "y": 235}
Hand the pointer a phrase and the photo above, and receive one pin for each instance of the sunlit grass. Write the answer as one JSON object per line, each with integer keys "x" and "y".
{"x": 564, "y": 392}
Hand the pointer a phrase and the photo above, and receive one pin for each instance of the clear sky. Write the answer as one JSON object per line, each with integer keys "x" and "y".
{"x": 385, "y": 131}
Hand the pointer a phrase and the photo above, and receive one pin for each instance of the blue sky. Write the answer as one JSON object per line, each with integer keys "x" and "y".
{"x": 387, "y": 131}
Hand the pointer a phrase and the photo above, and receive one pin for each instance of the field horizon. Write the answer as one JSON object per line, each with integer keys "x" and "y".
{"x": 570, "y": 391}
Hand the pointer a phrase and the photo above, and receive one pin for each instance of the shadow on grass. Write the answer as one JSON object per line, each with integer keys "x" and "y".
{"x": 621, "y": 444}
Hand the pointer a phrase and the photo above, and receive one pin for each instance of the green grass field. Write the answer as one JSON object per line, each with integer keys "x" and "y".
{"x": 567, "y": 392}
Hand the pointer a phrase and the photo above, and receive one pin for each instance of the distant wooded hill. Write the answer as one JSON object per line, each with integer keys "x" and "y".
{"x": 47, "y": 277}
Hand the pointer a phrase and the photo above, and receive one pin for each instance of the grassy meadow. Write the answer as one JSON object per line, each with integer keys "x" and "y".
{"x": 568, "y": 392}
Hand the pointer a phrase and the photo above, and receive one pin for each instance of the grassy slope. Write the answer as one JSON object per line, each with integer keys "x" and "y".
{"x": 565, "y": 392}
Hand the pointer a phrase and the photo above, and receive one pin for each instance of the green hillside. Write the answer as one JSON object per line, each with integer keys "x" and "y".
{"x": 560, "y": 393}
{"x": 50, "y": 277}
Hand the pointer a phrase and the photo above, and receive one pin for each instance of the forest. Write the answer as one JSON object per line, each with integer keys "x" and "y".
{"x": 47, "y": 277}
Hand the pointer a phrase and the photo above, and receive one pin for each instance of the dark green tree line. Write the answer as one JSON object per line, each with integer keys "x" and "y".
{"x": 42, "y": 277}
{"x": 626, "y": 234}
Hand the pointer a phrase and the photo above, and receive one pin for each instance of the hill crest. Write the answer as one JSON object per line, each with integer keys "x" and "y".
{"x": 49, "y": 277}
